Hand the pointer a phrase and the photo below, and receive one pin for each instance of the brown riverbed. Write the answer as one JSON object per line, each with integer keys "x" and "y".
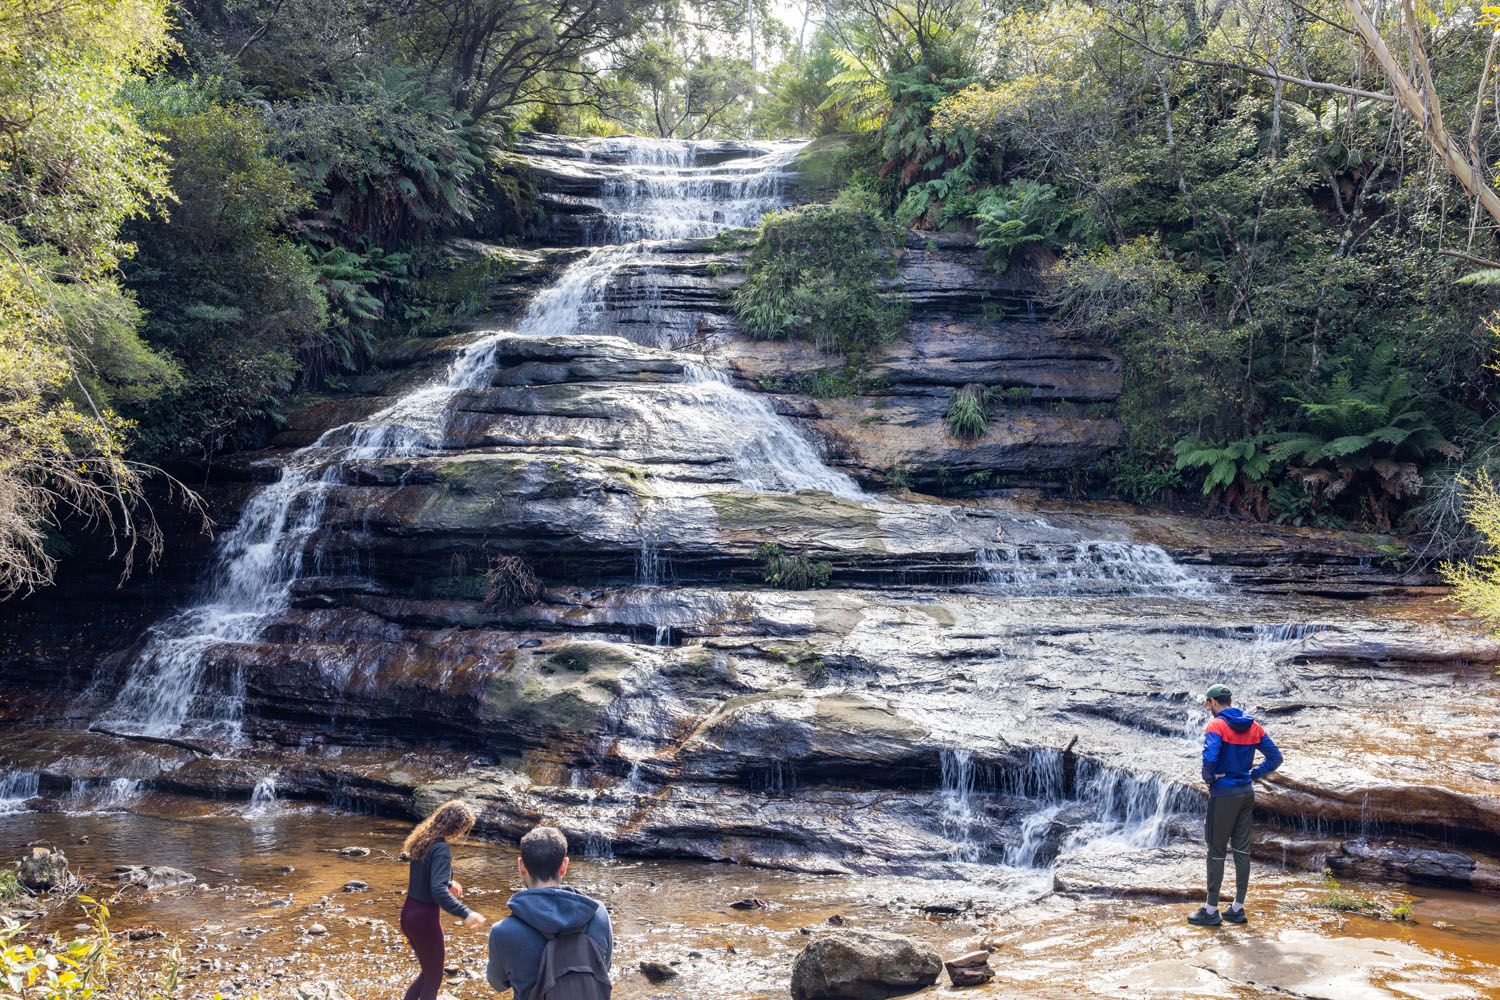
{"x": 244, "y": 929}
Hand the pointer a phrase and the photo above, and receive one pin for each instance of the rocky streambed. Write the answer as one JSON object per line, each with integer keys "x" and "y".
{"x": 546, "y": 563}
{"x": 290, "y": 898}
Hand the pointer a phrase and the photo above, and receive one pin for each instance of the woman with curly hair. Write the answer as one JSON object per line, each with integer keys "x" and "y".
{"x": 431, "y": 886}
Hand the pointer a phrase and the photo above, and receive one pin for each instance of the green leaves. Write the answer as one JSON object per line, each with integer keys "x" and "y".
{"x": 1227, "y": 464}
{"x": 1019, "y": 213}
{"x": 388, "y": 158}
{"x": 812, "y": 275}
{"x": 792, "y": 571}
{"x": 968, "y": 412}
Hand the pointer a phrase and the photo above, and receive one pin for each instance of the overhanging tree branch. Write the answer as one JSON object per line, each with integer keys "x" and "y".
{"x": 1423, "y": 103}
{"x": 1269, "y": 73}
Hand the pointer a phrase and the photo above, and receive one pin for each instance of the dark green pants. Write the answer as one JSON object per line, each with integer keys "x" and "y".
{"x": 1227, "y": 826}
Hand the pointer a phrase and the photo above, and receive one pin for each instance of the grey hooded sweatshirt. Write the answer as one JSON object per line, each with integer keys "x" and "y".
{"x": 516, "y": 942}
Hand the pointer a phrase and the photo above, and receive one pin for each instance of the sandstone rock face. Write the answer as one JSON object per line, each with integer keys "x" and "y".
{"x": 863, "y": 965}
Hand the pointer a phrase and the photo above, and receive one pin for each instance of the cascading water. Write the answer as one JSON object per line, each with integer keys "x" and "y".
{"x": 1091, "y": 567}
{"x": 1104, "y": 809}
{"x": 259, "y": 560}
{"x": 17, "y": 788}
{"x": 956, "y": 800}
{"x": 657, "y": 194}
{"x": 102, "y": 795}
{"x": 263, "y": 796}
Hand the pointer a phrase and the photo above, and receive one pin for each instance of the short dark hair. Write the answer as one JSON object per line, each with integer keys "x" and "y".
{"x": 543, "y": 851}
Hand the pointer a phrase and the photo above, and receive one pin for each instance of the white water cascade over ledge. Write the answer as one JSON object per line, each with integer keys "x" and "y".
{"x": 659, "y": 194}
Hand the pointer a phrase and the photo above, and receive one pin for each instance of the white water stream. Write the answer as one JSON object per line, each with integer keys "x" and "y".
{"x": 659, "y": 193}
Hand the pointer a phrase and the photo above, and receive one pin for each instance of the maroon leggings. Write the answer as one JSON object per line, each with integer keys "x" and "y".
{"x": 422, "y": 925}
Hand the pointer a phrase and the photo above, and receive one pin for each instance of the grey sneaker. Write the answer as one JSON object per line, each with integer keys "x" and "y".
{"x": 1236, "y": 916}
{"x": 1204, "y": 917}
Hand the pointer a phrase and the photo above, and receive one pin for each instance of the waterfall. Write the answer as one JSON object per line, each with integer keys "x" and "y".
{"x": 261, "y": 557}
{"x": 657, "y": 193}
{"x": 1108, "y": 808}
{"x": 263, "y": 796}
{"x": 90, "y": 795}
{"x": 1092, "y": 567}
{"x": 17, "y": 788}
{"x": 956, "y": 801}
{"x": 769, "y": 452}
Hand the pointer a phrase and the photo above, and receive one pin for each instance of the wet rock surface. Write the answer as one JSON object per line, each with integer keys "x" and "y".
{"x": 971, "y": 969}
{"x": 151, "y": 878}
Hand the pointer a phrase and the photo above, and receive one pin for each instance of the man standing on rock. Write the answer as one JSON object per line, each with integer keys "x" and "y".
{"x": 557, "y": 942}
{"x": 1229, "y": 744}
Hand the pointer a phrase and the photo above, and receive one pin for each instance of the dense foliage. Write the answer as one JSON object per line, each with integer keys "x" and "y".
{"x": 813, "y": 271}
{"x": 1226, "y": 195}
{"x": 74, "y": 167}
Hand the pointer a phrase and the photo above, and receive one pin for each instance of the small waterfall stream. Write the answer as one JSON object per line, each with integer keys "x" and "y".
{"x": 17, "y": 788}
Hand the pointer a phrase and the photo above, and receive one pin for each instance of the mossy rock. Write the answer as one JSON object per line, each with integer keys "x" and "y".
{"x": 822, "y": 166}
{"x": 483, "y": 475}
{"x": 801, "y": 518}
{"x": 557, "y": 690}
{"x": 695, "y": 663}
{"x": 472, "y": 269}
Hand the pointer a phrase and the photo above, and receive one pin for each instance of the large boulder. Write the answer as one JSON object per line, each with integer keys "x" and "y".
{"x": 863, "y": 965}
{"x": 43, "y": 870}
{"x": 1387, "y": 860}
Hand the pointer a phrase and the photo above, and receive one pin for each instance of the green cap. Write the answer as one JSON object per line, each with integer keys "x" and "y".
{"x": 1219, "y": 693}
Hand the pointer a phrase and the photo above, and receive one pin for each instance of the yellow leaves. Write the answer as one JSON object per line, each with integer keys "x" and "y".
{"x": 1476, "y": 584}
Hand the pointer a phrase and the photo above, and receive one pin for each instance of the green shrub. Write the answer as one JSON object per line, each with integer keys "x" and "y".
{"x": 10, "y": 885}
{"x": 1343, "y": 901}
{"x": 812, "y": 275}
{"x": 790, "y": 571}
{"x": 227, "y": 293}
{"x": 899, "y": 477}
{"x": 968, "y": 412}
{"x": 1017, "y": 214}
{"x": 386, "y": 157}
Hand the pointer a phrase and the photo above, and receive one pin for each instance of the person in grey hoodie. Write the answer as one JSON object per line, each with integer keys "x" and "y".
{"x": 544, "y": 908}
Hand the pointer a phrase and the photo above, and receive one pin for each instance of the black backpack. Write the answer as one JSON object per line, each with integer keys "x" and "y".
{"x": 572, "y": 968}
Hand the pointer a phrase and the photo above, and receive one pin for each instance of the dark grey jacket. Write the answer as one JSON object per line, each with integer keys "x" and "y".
{"x": 430, "y": 875}
{"x": 516, "y": 942}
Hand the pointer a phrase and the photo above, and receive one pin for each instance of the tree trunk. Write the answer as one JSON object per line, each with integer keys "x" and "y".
{"x": 1423, "y": 105}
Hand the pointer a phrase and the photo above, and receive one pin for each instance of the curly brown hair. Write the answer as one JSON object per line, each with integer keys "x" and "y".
{"x": 449, "y": 821}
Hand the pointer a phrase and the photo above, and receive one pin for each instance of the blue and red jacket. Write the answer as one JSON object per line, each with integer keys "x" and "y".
{"x": 1229, "y": 745}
